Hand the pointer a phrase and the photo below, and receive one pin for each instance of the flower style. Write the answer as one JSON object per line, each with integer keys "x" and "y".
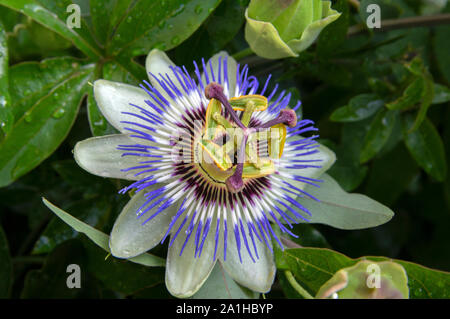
{"x": 205, "y": 177}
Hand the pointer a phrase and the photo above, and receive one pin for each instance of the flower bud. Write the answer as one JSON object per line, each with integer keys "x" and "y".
{"x": 367, "y": 280}
{"x": 282, "y": 28}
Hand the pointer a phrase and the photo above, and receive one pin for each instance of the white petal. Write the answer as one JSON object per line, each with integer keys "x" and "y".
{"x": 129, "y": 236}
{"x": 325, "y": 156}
{"x": 258, "y": 275}
{"x": 231, "y": 66}
{"x": 185, "y": 274}
{"x": 100, "y": 156}
{"x": 157, "y": 63}
{"x": 221, "y": 286}
{"x": 113, "y": 98}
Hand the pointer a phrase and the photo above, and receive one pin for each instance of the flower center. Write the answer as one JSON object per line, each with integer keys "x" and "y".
{"x": 231, "y": 151}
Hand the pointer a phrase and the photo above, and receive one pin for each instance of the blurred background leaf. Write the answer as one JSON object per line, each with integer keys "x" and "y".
{"x": 6, "y": 111}
{"x": 5, "y": 266}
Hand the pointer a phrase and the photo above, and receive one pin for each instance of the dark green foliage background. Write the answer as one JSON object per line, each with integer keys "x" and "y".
{"x": 380, "y": 99}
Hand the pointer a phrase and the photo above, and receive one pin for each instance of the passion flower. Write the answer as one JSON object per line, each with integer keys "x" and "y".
{"x": 217, "y": 161}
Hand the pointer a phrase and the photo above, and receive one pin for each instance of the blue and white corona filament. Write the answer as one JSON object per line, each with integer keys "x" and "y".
{"x": 210, "y": 195}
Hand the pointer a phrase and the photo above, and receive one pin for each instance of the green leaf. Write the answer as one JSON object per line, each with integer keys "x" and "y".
{"x": 53, "y": 15}
{"x": 429, "y": 7}
{"x": 220, "y": 285}
{"x": 106, "y": 15}
{"x": 95, "y": 235}
{"x": 426, "y": 147}
{"x": 336, "y": 33}
{"x": 9, "y": 18}
{"x": 5, "y": 266}
{"x": 313, "y": 267}
{"x": 161, "y": 25}
{"x": 119, "y": 274}
{"x": 387, "y": 188}
{"x": 411, "y": 96}
{"x": 419, "y": 91}
{"x": 343, "y": 210}
{"x": 441, "y": 94}
{"x": 50, "y": 282}
{"x": 348, "y": 170}
{"x": 91, "y": 185}
{"x": 31, "y": 81}
{"x": 29, "y": 40}
{"x": 91, "y": 211}
{"x": 6, "y": 113}
{"x": 308, "y": 236}
{"x": 42, "y": 128}
{"x": 130, "y": 70}
{"x": 426, "y": 98}
{"x": 99, "y": 238}
{"x": 218, "y": 30}
{"x": 379, "y": 132}
{"x": 442, "y": 50}
{"x": 360, "y": 107}
{"x": 114, "y": 71}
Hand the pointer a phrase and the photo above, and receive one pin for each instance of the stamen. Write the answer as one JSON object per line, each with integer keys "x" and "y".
{"x": 235, "y": 183}
{"x": 286, "y": 116}
{"x": 215, "y": 91}
{"x": 222, "y": 120}
{"x": 249, "y": 109}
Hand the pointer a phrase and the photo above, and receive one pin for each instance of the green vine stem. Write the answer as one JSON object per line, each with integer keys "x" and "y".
{"x": 242, "y": 54}
{"x": 410, "y": 22}
{"x": 290, "y": 277}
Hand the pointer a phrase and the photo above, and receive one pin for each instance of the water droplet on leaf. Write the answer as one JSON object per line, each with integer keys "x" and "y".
{"x": 58, "y": 113}
{"x": 101, "y": 124}
{"x": 418, "y": 292}
{"x": 179, "y": 10}
{"x": 198, "y": 9}
{"x": 27, "y": 117}
{"x": 3, "y": 101}
{"x": 162, "y": 24}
